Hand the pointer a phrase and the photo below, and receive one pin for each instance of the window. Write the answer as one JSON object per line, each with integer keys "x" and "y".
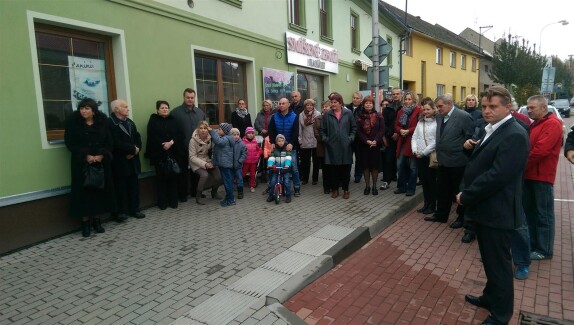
{"x": 355, "y": 32}
{"x": 473, "y": 90}
{"x": 408, "y": 44}
{"x": 390, "y": 56}
{"x": 473, "y": 65}
{"x": 297, "y": 16}
{"x": 486, "y": 68}
{"x": 73, "y": 65}
{"x": 453, "y": 92}
{"x": 463, "y": 62}
{"x": 439, "y": 89}
{"x": 220, "y": 84}
{"x": 325, "y": 20}
{"x": 311, "y": 86}
{"x": 452, "y": 59}
{"x": 462, "y": 93}
{"x": 363, "y": 86}
{"x": 438, "y": 55}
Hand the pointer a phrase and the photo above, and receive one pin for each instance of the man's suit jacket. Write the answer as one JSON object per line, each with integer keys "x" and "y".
{"x": 492, "y": 182}
{"x": 449, "y": 146}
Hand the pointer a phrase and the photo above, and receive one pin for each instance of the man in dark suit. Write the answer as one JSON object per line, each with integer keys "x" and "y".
{"x": 454, "y": 127}
{"x": 492, "y": 197}
{"x": 356, "y": 107}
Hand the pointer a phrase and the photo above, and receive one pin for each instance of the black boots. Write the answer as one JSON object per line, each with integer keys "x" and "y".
{"x": 240, "y": 193}
{"x": 86, "y": 229}
{"x": 98, "y": 226}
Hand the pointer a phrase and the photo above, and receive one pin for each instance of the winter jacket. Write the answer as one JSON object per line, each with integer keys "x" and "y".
{"x": 404, "y": 143}
{"x": 160, "y": 130}
{"x": 126, "y": 138}
{"x": 199, "y": 151}
{"x": 187, "y": 120}
{"x": 317, "y": 132}
{"x": 286, "y": 125}
{"x": 241, "y": 123}
{"x": 253, "y": 150}
{"x": 377, "y": 130}
{"x": 306, "y": 135}
{"x": 262, "y": 121}
{"x": 337, "y": 136}
{"x": 473, "y": 112}
{"x": 418, "y": 142}
{"x": 545, "y": 143}
{"x": 279, "y": 158}
{"x": 569, "y": 145}
{"x": 227, "y": 152}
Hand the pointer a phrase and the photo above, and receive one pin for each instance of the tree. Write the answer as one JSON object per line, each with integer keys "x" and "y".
{"x": 563, "y": 77}
{"x": 517, "y": 65}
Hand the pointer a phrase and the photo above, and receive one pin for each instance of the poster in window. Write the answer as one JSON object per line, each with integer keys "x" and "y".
{"x": 88, "y": 80}
{"x": 277, "y": 84}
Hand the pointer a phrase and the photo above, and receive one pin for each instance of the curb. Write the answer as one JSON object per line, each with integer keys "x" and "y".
{"x": 335, "y": 255}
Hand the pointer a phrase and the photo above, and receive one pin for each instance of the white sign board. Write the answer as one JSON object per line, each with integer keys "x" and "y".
{"x": 88, "y": 80}
{"x": 304, "y": 52}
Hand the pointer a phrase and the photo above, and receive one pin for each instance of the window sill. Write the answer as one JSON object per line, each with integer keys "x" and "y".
{"x": 356, "y": 51}
{"x": 327, "y": 39}
{"x": 298, "y": 29}
{"x": 235, "y": 3}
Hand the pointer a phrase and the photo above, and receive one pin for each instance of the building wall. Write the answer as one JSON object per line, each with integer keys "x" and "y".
{"x": 154, "y": 45}
{"x": 424, "y": 49}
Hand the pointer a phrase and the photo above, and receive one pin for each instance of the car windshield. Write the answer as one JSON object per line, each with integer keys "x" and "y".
{"x": 561, "y": 102}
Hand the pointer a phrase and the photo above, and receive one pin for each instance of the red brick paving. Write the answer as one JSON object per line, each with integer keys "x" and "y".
{"x": 417, "y": 272}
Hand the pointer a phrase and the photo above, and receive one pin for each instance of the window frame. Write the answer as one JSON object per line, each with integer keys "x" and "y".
{"x": 440, "y": 89}
{"x": 473, "y": 65}
{"x": 325, "y": 21}
{"x": 390, "y": 56}
{"x": 408, "y": 43}
{"x": 452, "y": 59}
{"x": 57, "y": 135}
{"x": 438, "y": 55}
{"x": 462, "y": 93}
{"x": 296, "y": 16}
{"x": 463, "y": 61}
{"x": 355, "y": 33}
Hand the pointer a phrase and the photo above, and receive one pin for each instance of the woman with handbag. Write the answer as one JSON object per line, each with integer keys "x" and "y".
{"x": 423, "y": 146}
{"x": 162, "y": 133}
{"x": 89, "y": 140}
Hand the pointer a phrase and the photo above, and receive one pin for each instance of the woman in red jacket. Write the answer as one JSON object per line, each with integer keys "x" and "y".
{"x": 406, "y": 122}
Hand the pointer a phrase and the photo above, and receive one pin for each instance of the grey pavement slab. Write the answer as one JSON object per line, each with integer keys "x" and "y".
{"x": 160, "y": 268}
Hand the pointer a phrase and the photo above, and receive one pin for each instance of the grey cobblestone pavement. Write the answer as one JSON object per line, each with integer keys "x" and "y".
{"x": 156, "y": 270}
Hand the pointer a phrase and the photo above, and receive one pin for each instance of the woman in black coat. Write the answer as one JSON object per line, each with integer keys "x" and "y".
{"x": 241, "y": 119}
{"x": 370, "y": 132}
{"x": 162, "y": 133}
{"x": 89, "y": 140}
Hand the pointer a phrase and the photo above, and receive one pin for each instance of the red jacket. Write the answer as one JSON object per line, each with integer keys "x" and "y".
{"x": 545, "y": 143}
{"x": 413, "y": 120}
{"x": 253, "y": 151}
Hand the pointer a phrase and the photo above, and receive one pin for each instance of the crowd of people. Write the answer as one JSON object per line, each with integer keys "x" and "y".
{"x": 496, "y": 165}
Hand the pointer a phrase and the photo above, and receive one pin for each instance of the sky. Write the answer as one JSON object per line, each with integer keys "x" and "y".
{"x": 525, "y": 19}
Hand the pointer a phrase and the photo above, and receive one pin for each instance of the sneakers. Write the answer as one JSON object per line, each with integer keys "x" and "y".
{"x": 252, "y": 190}
{"x": 384, "y": 186}
{"x": 297, "y": 192}
{"x": 521, "y": 272}
{"x": 535, "y": 256}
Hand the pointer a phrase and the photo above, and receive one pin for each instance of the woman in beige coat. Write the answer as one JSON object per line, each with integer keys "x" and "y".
{"x": 200, "y": 151}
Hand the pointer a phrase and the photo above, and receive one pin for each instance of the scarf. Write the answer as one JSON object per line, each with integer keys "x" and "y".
{"x": 309, "y": 117}
{"x": 407, "y": 111}
{"x": 369, "y": 121}
{"x": 241, "y": 113}
{"x": 266, "y": 120}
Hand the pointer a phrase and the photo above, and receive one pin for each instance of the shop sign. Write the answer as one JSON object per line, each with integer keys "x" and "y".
{"x": 304, "y": 52}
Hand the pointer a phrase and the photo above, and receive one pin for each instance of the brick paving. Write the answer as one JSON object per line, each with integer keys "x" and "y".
{"x": 154, "y": 270}
{"x": 417, "y": 272}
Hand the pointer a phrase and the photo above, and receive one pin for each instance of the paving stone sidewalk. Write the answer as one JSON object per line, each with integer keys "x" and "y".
{"x": 417, "y": 272}
{"x": 154, "y": 270}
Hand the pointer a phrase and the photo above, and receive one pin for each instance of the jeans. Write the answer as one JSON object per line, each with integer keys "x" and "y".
{"x": 227, "y": 176}
{"x": 295, "y": 167}
{"x": 407, "y": 180}
{"x": 273, "y": 175}
{"x": 238, "y": 174}
{"x": 538, "y": 202}
{"x": 520, "y": 244}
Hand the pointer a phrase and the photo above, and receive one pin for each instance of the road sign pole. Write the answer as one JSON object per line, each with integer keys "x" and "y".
{"x": 375, "y": 57}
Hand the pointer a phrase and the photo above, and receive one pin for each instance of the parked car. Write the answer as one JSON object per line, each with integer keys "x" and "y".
{"x": 562, "y": 105}
{"x": 551, "y": 109}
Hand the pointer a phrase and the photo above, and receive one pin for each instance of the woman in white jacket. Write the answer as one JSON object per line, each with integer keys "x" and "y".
{"x": 423, "y": 144}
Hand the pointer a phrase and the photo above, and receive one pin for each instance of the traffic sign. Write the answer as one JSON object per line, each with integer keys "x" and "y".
{"x": 383, "y": 76}
{"x": 384, "y": 50}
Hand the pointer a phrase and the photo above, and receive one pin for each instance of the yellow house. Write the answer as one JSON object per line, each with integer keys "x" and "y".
{"x": 436, "y": 60}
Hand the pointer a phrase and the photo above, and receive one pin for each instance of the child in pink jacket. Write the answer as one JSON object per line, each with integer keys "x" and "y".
{"x": 253, "y": 153}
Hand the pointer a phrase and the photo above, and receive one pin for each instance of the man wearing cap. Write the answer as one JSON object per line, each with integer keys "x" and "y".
{"x": 284, "y": 122}
{"x": 187, "y": 116}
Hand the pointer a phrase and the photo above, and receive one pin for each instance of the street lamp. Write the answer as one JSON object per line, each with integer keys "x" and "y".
{"x": 564, "y": 22}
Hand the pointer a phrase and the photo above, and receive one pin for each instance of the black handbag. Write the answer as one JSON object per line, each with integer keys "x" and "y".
{"x": 94, "y": 176}
{"x": 170, "y": 167}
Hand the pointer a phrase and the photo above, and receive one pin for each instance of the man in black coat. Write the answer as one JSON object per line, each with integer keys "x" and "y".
{"x": 296, "y": 105}
{"x": 356, "y": 107}
{"x": 569, "y": 146}
{"x": 391, "y": 137}
{"x": 491, "y": 192}
{"x": 126, "y": 164}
